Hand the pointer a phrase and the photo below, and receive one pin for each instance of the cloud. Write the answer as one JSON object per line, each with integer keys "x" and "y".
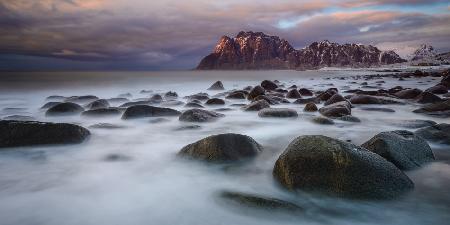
{"x": 177, "y": 34}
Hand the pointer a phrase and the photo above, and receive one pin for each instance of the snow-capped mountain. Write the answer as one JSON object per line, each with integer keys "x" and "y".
{"x": 424, "y": 52}
{"x": 256, "y": 50}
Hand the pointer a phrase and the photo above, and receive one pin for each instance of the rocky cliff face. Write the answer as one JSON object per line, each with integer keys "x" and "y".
{"x": 256, "y": 50}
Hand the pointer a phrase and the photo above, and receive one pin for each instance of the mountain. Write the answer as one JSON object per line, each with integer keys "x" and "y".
{"x": 424, "y": 52}
{"x": 256, "y": 50}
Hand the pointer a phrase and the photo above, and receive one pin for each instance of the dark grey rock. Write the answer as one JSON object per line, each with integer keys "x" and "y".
{"x": 217, "y": 86}
{"x": 102, "y": 112}
{"x": 140, "y": 111}
{"x": 64, "y": 109}
{"x": 322, "y": 164}
{"x": 403, "y": 148}
{"x": 256, "y": 106}
{"x": 28, "y": 133}
{"x": 199, "y": 115}
{"x": 277, "y": 112}
{"x": 337, "y": 109}
{"x": 439, "y": 133}
{"x": 222, "y": 148}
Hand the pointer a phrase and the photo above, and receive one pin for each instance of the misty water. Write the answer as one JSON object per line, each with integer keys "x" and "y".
{"x": 77, "y": 184}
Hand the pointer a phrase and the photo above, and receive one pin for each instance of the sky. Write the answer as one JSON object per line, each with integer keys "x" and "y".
{"x": 175, "y": 35}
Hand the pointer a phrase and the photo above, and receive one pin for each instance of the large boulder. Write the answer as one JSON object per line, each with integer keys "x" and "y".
{"x": 215, "y": 101}
{"x": 217, "y": 86}
{"x": 27, "y": 133}
{"x": 337, "y": 109}
{"x": 255, "y": 92}
{"x": 438, "y": 108}
{"x": 199, "y": 115}
{"x": 402, "y": 148}
{"x": 102, "y": 112}
{"x": 277, "y": 112}
{"x": 310, "y": 107}
{"x": 259, "y": 202}
{"x": 439, "y": 133}
{"x": 305, "y": 92}
{"x": 236, "y": 95}
{"x": 368, "y": 99}
{"x": 335, "y": 98}
{"x": 98, "y": 104}
{"x": 293, "y": 93}
{"x": 256, "y": 106}
{"x": 408, "y": 93}
{"x": 322, "y": 164}
{"x": 438, "y": 89}
{"x": 222, "y": 148}
{"x": 428, "y": 97}
{"x": 269, "y": 85}
{"x": 64, "y": 109}
{"x": 139, "y": 111}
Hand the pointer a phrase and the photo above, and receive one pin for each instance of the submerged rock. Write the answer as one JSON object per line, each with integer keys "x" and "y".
{"x": 215, "y": 101}
{"x": 258, "y": 201}
{"x": 310, "y": 107}
{"x": 199, "y": 115}
{"x": 277, "y": 112}
{"x": 439, "y": 133}
{"x": 307, "y": 100}
{"x": 102, "y": 112}
{"x": 139, "y": 111}
{"x": 293, "y": 93}
{"x": 64, "y": 109}
{"x": 269, "y": 85}
{"x": 106, "y": 126}
{"x": 19, "y": 118}
{"x": 368, "y": 99}
{"x": 236, "y": 95}
{"x": 408, "y": 93}
{"x": 322, "y": 164}
{"x": 222, "y": 148}
{"x": 193, "y": 105}
{"x": 322, "y": 120}
{"x": 349, "y": 118}
{"x": 428, "y": 97}
{"x": 49, "y": 105}
{"x": 402, "y": 148}
{"x": 28, "y": 133}
{"x": 377, "y": 109}
{"x": 337, "y": 109}
{"x": 333, "y": 99}
{"x": 98, "y": 104}
{"x": 217, "y": 86}
{"x": 255, "y": 92}
{"x": 81, "y": 99}
{"x": 256, "y": 106}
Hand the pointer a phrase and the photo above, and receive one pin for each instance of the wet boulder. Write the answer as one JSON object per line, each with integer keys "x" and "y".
{"x": 64, "y": 109}
{"x": 29, "y": 133}
{"x": 215, "y": 101}
{"x": 258, "y": 202}
{"x": 128, "y": 104}
{"x": 428, "y": 97}
{"x": 199, "y": 96}
{"x": 310, "y": 107}
{"x": 438, "y": 89}
{"x": 193, "y": 105}
{"x": 337, "y": 109}
{"x": 156, "y": 98}
{"x": 402, "y": 148}
{"x": 81, "y": 99}
{"x": 335, "y": 98}
{"x": 102, "y": 112}
{"x": 255, "y": 92}
{"x": 322, "y": 164}
{"x": 217, "y": 86}
{"x": 438, "y": 108}
{"x": 439, "y": 133}
{"x": 222, "y": 148}
{"x": 368, "y": 99}
{"x": 170, "y": 95}
{"x": 277, "y": 112}
{"x": 55, "y": 98}
{"x": 322, "y": 120}
{"x": 49, "y": 105}
{"x": 98, "y": 104}
{"x": 140, "y": 111}
{"x": 408, "y": 93}
{"x": 199, "y": 115}
{"x": 305, "y": 92}
{"x": 293, "y": 93}
{"x": 236, "y": 95}
{"x": 307, "y": 100}
{"x": 256, "y": 106}
{"x": 269, "y": 85}
{"x": 349, "y": 118}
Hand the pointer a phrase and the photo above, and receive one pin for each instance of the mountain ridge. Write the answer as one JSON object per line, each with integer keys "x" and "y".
{"x": 257, "y": 50}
